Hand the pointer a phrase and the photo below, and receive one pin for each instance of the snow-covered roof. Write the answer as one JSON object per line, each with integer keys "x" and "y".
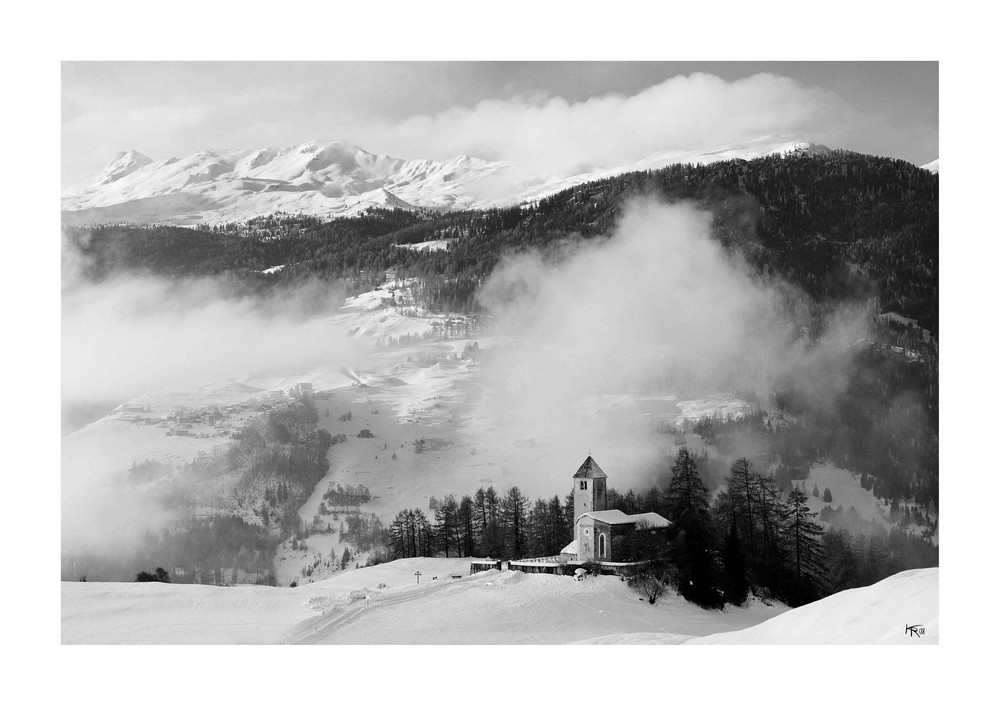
{"x": 653, "y": 519}
{"x": 611, "y": 517}
{"x": 570, "y": 548}
{"x": 590, "y": 469}
{"x": 617, "y": 517}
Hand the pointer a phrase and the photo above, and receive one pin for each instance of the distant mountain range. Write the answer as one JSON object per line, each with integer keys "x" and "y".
{"x": 330, "y": 179}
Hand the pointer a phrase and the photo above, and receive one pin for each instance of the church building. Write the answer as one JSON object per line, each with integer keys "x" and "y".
{"x": 599, "y": 535}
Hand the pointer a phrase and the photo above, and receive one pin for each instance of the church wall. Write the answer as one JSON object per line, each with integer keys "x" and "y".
{"x": 585, "y": 538}
{"x": 588, "y": 531}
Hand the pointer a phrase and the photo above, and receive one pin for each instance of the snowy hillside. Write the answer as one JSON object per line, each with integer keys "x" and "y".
{"x": 931, "y": 166}
{"x": 486, "y": 608}
{"x": 329, "y": 179}
{"x": 761, "y": 147}
{"x": 877, "y": 614}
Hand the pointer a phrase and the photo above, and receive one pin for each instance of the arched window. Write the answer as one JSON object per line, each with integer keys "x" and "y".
{"x": 600, "y": 546}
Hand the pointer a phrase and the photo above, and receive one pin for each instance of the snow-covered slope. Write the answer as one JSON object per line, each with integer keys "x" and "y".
{"x": 761, "y": 147}
{"x": 491, "y": 607}
{"x": 873, "y": 615}
{"x": 329, "y": 179}
{"x": 487, "y": 608}
{"x": 931, "y": 166}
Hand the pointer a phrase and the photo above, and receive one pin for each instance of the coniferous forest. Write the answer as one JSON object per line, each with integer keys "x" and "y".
{"x": 752, "y": 536}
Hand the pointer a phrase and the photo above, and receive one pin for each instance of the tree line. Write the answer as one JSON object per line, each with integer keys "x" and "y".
{"x": 483, "y": 524}
{"x": 752, "y": 537}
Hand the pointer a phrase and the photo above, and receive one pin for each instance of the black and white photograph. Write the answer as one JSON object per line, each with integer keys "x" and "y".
{"x": 420, "y": 347}
{"x": 630, "y": 352}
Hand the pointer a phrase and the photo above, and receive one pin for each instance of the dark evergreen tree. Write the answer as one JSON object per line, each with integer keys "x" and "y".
{"x": 480, "y": 516}
{"x": 736, "y": 585}
{"x": 467, "y": 535}
{"x": 804, "y": 541}
{"x": 739, "y": 487}
{"x": 423, "y": 534}
{"x": 446, "y": 528}
{"x": 769, "y": 565}
{"x": 538, "y": 528}
{"x": 693, "y": 547}
{"x": 514, "y": 510}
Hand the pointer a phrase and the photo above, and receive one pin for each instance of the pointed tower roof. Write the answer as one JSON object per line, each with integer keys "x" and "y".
{"x": 590, "y": 469}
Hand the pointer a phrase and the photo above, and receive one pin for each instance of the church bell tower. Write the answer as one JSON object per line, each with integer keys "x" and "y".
{"x": 590, "y": 489}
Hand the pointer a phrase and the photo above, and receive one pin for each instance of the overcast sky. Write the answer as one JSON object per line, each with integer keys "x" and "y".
{"x": 553, "y": 117}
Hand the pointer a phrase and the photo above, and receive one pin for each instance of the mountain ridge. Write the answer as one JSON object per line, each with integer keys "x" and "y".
{"x": 337, "y": 178}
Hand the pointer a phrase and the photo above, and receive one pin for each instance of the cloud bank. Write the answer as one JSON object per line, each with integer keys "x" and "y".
{"x": 607, "y": 332}
{"x": 549, "y": 136}
{"x": 134, "y": 336}
{"x": 131, "y": 336}
{"x": 542, "y": 133}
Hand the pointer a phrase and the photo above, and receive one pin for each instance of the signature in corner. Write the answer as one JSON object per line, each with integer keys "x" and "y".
{"x": 912, "y": 630}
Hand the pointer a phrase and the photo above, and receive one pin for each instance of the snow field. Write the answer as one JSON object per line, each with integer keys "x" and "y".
{"x": 873, "y": 615}
{"x": 491, "y": 607}
{"x": 486, "y": 608}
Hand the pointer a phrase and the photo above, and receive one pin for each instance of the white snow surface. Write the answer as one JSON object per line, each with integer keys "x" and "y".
{"x": 331, "y": 179}
{"x": 873, "y": 615}
{"x": 931, "y": 166}
{"x": 490, "y": 607}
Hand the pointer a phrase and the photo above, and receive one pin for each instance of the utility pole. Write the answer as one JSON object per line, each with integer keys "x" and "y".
{"x": 418, "y": 576}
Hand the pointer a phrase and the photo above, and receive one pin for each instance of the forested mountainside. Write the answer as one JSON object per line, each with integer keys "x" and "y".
{"x": 843, "y": 227}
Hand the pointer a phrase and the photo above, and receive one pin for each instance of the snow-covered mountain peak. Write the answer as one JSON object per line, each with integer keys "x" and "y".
{"x": 337, "y": 178}
{"x": 122, "y": 165}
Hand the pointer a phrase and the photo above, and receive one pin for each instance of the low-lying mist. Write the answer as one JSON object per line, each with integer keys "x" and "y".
{"x": 658, "y": 308}
{"x": 144, "y": 335}
{"x": 134, "y": 335}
